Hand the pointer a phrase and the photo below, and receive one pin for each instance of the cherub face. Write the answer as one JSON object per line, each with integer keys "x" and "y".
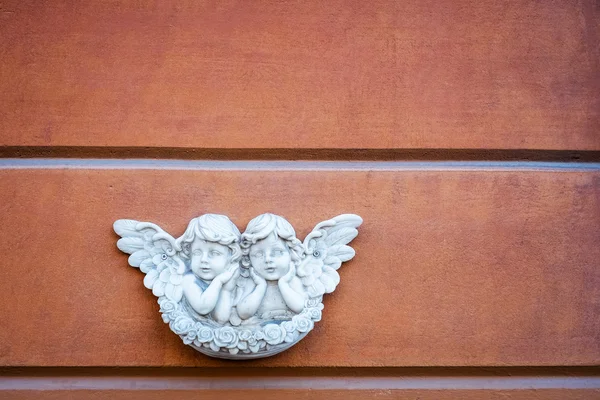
{"x": 270, "y": 258}
{"x": 209, "y": 259}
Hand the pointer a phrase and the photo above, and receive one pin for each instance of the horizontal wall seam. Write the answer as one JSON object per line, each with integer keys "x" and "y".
{"x": 214, "y": 165}
{"x": 313, "y": 154}
{"x": 287, "y": 383}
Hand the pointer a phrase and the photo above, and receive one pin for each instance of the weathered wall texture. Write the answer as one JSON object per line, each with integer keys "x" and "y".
{"x": 462, "y": 271}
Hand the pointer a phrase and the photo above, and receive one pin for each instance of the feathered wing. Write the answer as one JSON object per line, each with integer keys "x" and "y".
{"x": 155, "y": 253}
{"x": 326, "y": 248}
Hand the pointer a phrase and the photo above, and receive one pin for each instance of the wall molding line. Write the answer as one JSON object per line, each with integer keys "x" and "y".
{"x": 237, "y": 165}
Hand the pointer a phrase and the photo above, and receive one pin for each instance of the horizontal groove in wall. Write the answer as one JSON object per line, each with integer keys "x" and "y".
{"x": 238, "y": 378}
{"x": 242, "y": 370}
{"x": 218, "y": 165}
{"x": 314, "y": 383}
{"x": 334, "y": 154}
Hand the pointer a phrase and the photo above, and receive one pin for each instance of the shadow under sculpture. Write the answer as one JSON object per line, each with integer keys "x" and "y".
{"x": 240, "y": 295}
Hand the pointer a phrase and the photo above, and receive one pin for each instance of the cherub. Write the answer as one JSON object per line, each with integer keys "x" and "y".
{"x": 211, "y": 242}
{"x": 195, "y": 278}
{"x": 271, "y": 250}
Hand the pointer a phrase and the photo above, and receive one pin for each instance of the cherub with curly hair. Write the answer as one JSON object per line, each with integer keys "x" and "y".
{"x": 271, "y": 250}
{"x": 212, "y": 243}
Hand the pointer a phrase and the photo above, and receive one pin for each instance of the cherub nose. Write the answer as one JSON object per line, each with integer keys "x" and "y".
{"x": 204, "y": 258}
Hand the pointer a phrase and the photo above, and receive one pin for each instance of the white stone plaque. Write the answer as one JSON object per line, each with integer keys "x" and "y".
{"x": 240, "y": 295}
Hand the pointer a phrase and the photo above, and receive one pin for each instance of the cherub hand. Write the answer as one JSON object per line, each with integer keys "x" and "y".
{"x": 290, "y": 274}
{"x": 230, "y": 285}
{"x": 257, "y": 278}
{"x": 226, "y": 276}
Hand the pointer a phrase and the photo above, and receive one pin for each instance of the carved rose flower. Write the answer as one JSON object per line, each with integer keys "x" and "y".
{"x": 226, "y": 337}
{"x": 245, "y": 243}
{"x": 246, "y": 339}
{"x": 314, "y": 314}
{"x": 274, "y": 334}
{"x": 303, "y": 324}
{"x": 204, "y": 335}
{"x": 246, "y": 335}
{"x": 190, "y": 337}
{"x": 257, "y": 342}
{"x": 313, "y": 302}
{"x": 289, "y": 326}
{"x": 182, "y": 325}
{"x": 168, "y": 309}
{"x": 291, "y": 331}
{"x": 258, "y": 335}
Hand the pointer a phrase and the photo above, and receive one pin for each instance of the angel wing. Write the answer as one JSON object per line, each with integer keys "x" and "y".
{"x": 155, "y": 253}
{"x": 326, "y": 248}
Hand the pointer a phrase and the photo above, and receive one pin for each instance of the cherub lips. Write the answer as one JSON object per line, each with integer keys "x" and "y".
{"x": 270, "y": 270}
{"x": 205, "y": 269}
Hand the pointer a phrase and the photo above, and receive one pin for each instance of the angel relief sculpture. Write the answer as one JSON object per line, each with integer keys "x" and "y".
{"x": 240, "y": 295}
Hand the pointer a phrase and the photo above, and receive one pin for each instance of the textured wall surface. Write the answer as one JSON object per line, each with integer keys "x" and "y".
{"x": 477, "y": 272}
{"x": 293, "y": 74}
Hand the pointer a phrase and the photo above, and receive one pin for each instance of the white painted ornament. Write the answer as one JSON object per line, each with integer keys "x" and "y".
{"x": 240, "y": 295}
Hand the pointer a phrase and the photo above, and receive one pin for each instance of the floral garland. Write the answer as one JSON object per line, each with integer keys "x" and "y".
{"x": 239, "y": 339}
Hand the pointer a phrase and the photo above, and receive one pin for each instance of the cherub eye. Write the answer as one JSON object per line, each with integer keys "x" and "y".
{"x": 215, "y": 253}
{"x": 277, "y": 253}
{"x": 258, "y": 254}
{"x": 197, "y": 252}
